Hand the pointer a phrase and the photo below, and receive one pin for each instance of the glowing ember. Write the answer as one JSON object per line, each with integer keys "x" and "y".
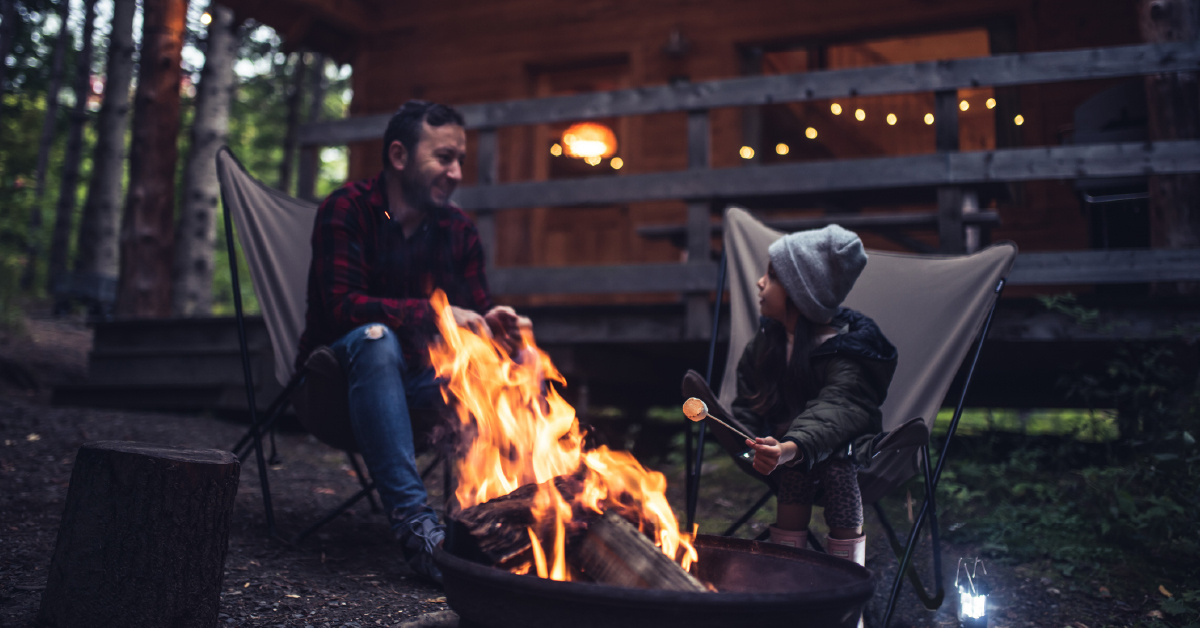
{"x": 517, "y": 430}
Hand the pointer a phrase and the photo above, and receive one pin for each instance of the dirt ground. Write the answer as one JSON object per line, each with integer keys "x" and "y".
{"x": 349, "y": 574}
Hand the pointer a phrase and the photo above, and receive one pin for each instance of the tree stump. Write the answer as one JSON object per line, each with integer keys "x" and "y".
{"x": 143, "y": 537}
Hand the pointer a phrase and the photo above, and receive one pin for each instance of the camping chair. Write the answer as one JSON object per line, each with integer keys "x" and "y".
{"x": 274, "y": 231}
{"x": 933, "y": 308}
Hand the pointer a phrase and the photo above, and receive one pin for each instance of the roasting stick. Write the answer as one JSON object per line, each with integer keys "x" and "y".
{"x": 696, "y": 411}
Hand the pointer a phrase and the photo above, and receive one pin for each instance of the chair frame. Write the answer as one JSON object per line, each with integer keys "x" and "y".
{"x": 932, "y": 601}
{"x": 266, "y": 424}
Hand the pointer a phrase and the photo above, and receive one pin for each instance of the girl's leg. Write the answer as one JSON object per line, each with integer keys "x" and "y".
{"x": 843, "y": 511}
{"x": 794, "y": 509}
{"x": 793, "y": 516}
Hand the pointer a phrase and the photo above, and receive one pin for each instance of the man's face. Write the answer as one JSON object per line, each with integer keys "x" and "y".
{"x": 432, "y": 172}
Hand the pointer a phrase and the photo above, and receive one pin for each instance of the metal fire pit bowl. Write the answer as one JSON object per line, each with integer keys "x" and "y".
{"x": 758, "y": 584}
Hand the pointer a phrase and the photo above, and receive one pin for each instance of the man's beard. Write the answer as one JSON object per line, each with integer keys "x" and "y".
{"x": 418, "y": 192}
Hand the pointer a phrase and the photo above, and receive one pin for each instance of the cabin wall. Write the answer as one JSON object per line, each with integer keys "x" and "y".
{"x": 531, "y": 48}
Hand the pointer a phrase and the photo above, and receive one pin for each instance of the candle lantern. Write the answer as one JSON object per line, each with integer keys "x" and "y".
{"x": 972, "y": 593}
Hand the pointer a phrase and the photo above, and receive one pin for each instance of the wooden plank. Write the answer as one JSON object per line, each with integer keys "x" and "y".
{"x": 849, "y": 221}
{"x": 949, "y": 198}
{"x": 1011, "y": 164}
{"x": 997, "y": 70}
{"x": 699, "y": 223}
{"x": 627, "y": 278}
{"x": 1106, "y": 267}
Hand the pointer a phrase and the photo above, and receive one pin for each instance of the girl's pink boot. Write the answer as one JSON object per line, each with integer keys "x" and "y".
{"x": 854, "y": 550}
{"x": 792, "y": 538}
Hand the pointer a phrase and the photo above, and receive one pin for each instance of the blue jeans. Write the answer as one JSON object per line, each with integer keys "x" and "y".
{"x": 382, "y": 391}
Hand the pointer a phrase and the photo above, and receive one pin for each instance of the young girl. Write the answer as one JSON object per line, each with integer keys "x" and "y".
{"x": 813, "y": 378}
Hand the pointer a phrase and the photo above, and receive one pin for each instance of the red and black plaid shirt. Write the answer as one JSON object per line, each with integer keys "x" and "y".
{"x": 365, "y": 271}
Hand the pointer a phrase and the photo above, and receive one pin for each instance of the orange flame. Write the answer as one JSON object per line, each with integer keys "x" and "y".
{"x": 518, "y": 430}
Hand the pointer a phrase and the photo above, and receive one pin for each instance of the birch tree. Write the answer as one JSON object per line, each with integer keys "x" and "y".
{"x": 64, "y": 212}
{"x": 195, "y": 239}
{"x": 295, "y": 95}
{"x": 148, "y": 221}
{"x": 306, "y": 178}
{"x": 96, "y": 250}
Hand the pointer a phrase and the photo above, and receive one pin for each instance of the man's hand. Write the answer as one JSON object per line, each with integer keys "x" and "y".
{"x": 506, "y": 327}
{"x": 770, "y": 453}
{"x": 470, "y": 320}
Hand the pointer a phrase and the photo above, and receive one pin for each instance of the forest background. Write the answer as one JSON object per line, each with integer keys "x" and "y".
{"x": 55, "y": 88}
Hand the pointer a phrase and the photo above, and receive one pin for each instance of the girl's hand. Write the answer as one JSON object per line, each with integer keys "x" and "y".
{"x": 770, "y": 453}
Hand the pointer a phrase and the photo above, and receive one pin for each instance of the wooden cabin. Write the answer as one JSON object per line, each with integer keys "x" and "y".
{"x": 925, "y": 126}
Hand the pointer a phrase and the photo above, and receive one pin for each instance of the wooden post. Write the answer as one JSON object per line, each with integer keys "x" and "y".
{"x": 699, "y": 227}
{"x": 143, "y": 537}
{"x": 1172, "y": 101}
{"x": 950, "y": 198}
{"x": 485, "y": 219}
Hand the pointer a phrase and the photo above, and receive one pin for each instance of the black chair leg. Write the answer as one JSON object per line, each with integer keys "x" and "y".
{"x": 362, "y": 481}
{"x": 762, "y": 501}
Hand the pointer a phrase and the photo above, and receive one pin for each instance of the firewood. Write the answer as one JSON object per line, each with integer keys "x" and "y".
{"x": 498, "y": 527}
{"x": 143, "y": 537}
{"x": 614, "y": 552}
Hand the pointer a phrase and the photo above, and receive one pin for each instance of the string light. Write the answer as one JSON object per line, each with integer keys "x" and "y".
{"x": 1019, "y": 120}
{"x": 964, "y": 105}
{"x": 206, "y": 18}
{"x": 556, "y": 149}
{"x": 860, "y": 115}
{"x": 593, "y": 160}
{"x": 991, "y": 103}
{"x": 810, "y": 133}
{"x": 929, "y": 118}
{"x": 617, "y": 163}
{"x": 746, "y": 152}
{"x": 891, "y": 119}
{"x": 781, "y": 149}
{"x": 836, "y": 109}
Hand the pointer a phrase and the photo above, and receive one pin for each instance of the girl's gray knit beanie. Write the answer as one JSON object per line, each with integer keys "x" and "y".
{"x": 818, "y": 268}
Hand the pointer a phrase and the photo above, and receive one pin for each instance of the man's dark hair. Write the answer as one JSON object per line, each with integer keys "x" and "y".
{"x": 405, "y": 125}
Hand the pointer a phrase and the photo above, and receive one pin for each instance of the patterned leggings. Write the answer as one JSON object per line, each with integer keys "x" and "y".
{"x": 831, "y": 483}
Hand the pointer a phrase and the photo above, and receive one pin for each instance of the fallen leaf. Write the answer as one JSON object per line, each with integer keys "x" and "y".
{"x": 1155, "y": 614}
{"x": 436, "y": 600}
{"x": 33, "y": 437}
{"x": 1164, "y": 591}
{"x": 1104, "y": 592}
{"x": 291, "y": 595}
{"x": 247, "y": 585}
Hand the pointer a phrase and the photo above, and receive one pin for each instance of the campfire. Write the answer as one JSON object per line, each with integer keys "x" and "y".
{"x": 531, "y": 497}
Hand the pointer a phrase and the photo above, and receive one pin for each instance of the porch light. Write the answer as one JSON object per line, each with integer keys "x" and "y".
{"x": 836, "y": 109}
{"x": 972, "y": 595}
{"x": 585, "y": 140}
{"x": 860, "y": 115}
{"x": 781, "y": 149}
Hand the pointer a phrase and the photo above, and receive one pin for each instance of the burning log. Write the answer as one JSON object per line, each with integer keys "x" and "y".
{"x": 614, "y": 552}
{"x": 608, "y": 549}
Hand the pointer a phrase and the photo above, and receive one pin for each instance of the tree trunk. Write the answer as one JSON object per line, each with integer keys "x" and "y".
{"x": 1173, "y": 102}
{"x": 143, "y": 537}
{"x": 195, "y": 239}
{"x": 96, "y": 248}
{"x": 34, "y": 236}
{"x": 65, "y": 211}
{"x": 147, "y": 225}
{"x": 8, "y": 13}
{"x": 310, "y": 164}
{"x": 290, "y": 137}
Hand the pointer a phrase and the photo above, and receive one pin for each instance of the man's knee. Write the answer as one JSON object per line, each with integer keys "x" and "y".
{"x": 374, "y": 346}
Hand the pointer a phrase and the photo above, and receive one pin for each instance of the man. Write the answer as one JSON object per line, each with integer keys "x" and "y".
{"x": 381, "y": 246}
